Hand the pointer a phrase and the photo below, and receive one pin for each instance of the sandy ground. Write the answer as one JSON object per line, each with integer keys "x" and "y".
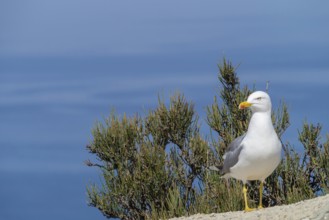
{"x": 317, "y": 209}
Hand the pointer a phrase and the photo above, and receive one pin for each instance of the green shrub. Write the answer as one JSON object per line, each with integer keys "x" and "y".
{"x": 157, "y": 166}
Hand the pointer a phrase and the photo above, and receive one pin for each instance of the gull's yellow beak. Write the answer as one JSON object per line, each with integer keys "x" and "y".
{"x": 244, "y": 105}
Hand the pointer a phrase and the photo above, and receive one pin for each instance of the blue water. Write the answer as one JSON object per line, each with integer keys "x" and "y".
{"x": 64, "y": 66}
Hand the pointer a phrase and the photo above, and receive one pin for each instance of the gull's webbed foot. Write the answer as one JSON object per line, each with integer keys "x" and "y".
{"x": 247, "y": 209}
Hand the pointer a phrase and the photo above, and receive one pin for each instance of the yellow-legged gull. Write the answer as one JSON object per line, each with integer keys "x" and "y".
{"x": 256, "y": 154}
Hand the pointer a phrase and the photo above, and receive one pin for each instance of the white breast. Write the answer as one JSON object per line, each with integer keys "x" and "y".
{"x": 261, "y": 154}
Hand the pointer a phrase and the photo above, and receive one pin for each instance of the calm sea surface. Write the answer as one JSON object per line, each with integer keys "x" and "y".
{"x": 64, "y": 66}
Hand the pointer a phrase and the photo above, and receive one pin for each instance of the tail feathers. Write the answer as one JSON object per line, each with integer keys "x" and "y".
{"x": 216, "y": 168}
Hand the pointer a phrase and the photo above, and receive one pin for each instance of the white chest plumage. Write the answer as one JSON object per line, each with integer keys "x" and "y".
{"x": 261, "y": 151}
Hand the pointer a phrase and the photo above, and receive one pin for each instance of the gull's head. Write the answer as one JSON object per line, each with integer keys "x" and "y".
{"x": 258, "y": 102}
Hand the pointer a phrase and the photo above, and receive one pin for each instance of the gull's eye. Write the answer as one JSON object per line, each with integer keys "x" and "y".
{"x": 259, "y": 98}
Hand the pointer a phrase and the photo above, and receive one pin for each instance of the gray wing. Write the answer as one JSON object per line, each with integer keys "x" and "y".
{"x": 232, "y": 153}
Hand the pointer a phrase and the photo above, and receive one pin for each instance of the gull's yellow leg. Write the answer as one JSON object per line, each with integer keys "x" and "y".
{"x": 260, "y": 206}
{"x": 246, "y": 209}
